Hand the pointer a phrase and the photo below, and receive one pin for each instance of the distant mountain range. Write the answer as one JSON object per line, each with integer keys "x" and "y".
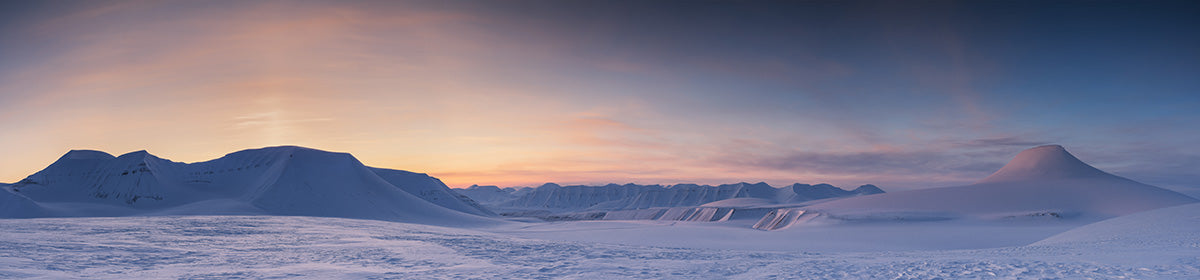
{"x": 1043, "y": 182}
{"x": 558, "y": 198}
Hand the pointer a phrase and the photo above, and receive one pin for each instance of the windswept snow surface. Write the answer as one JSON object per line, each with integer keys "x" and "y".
{"x": 852, "y": 237}
{"x": 1161, "y": 229}
{"x": 210, "y": 247}
{"x": 284, "y": 180}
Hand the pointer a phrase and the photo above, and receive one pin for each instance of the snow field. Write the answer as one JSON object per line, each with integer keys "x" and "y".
{"x": 209, "y": 247}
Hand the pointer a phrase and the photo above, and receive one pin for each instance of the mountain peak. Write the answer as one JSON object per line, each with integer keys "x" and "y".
{"x": 86, "y": 154}
{"x": 135, "y": 154}
{"x": 1041, "y": 163}
{"x": 867, "y": 189}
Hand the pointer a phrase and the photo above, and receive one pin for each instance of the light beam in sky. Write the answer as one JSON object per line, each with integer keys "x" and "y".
{"x": 594, "y": 92}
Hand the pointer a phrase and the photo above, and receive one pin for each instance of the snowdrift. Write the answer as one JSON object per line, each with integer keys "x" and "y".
{"x": 1041, "y": 182}
{"x": 284, "y": 180}
{"x": 1177, "y": 226}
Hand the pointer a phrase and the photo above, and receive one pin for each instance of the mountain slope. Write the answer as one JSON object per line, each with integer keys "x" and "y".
{"x": 487, "y": 194}
{"x": 134, "y": 179}
{"x": 1045, "y": 180}
{"x": 1171, "y": 227}
{"x": 13, "y": 205}
{"x": 284, "y": 180}
{"x": 431, "y": 189}
{"x": 1043, "y": 163}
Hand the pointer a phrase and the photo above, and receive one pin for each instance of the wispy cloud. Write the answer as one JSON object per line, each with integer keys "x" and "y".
{"x": 999, "y": 141}
{"x": 273, "y": 118}
{"x": 566, "y": 91}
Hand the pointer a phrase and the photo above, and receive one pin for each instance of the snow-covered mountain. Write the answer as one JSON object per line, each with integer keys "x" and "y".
{"x": 14, "y": 205}
{"x": 558, "y": 198}
{"x": 1044, "y": 181}
{"x": 487, "y": 194}
{"x": 806, "y": 192}
{"x": 431, "y": 189}
{"x": 284, "y": 180}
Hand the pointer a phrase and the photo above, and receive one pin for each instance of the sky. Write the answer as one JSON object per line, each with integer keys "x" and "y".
{"x": 901, "y": 94}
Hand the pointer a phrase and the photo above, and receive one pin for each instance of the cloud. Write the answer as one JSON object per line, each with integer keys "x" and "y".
{"x": 603, "y": 132}
{"x": 846, "y": 163}
{"x": 1000, "y": 141}
{"x": 273, "y": 118}
{"x": 892, "y": 166}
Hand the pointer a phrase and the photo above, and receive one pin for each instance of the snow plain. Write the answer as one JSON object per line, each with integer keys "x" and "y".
{"x": 231, "y": 247}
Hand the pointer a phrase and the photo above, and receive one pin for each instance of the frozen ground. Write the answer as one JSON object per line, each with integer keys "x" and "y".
{"x": 858, "y": 237}
{"x": 207, "y": 247}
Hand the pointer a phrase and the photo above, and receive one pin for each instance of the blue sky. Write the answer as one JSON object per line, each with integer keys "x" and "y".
{"x": 898, "y": 94}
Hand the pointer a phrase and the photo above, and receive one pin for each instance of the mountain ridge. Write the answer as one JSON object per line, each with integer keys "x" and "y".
{"x": 279, "y": 180}
{"x": 551, "y": 196}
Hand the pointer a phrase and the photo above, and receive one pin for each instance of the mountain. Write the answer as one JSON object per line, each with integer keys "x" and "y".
{"x": 1044, "y": 181}
{"x": 487, "y": 194}
{"x": 14, "y": 205}
{"x": 688, "y": 195}
{"x": 806, "y": 192}
{"x": 554, "y": 196}
{"x": 559, "y": 198}
{"x": 431, "y": 189}
{"x": 285, "y": 180}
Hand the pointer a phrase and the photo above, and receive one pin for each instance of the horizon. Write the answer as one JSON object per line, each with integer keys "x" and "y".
{"x": 897, "y": 95}
{"x": 781, "y": 184}
{"x": 776, "y": 185}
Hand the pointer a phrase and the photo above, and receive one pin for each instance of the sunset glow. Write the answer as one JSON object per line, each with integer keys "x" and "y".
{"x": 586, "y": 92}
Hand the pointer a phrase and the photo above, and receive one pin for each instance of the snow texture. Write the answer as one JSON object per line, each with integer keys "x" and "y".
{"x": 212, "y": 247}
{"x": 1177, "y": 226}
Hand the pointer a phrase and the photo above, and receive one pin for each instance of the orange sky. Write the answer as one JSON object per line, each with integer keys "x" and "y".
{"x": 518, "y": 94}
{"x": 416, "y": 89}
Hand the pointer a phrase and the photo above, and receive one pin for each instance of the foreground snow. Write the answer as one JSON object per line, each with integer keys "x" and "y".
{"x": 307, "y": 247}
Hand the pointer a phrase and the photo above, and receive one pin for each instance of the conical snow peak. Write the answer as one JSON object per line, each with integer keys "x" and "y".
{"x": 1042, "y": 163}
